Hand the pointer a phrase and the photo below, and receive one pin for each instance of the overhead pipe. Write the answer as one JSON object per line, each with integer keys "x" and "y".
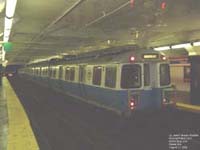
{"x": 108, "y": 14}
{"x": 66, "y": 12}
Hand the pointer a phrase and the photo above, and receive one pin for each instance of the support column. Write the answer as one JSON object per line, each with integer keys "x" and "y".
{"x": 195, "y": 80}
{"x": 1, "y": 74}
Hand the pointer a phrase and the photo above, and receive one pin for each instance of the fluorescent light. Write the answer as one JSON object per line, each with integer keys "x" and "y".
{"x": 1, "y": 34}
{"x": 5, "y": 38}
{"x": 10, "y": 8}
{"x": 3, "y": 55}
{"x": 181, "y": 45}
{"x": 192, "y": 53}
{"x": 7, "y": 32}
{"x": 196, "y": 44}
{"x": 164, "y": 48}
{"x": 2, "y": 5}
{"x": 8, "y": 23}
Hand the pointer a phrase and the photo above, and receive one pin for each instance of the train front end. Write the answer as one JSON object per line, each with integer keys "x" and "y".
{"x": 148, "y": 83}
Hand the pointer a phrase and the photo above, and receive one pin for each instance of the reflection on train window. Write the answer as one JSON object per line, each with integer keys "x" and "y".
{"x": 186, "y": 73}
{"x": 82, "y": 72}
{"x": 164, "y": 74}
{"x": 110, "y": 78}
{"x": 46, "y": 72}
{"x": 146, "y": 75}
{"x": 67, "y": 73}
{"x": 60, "y": 72}
{"x": 97, "y": 75}
{"x": 50, "y": 72}
{"x": 131, "y": 76}
{"x": 54, "y": 73}
{"x": 72, "y": 73}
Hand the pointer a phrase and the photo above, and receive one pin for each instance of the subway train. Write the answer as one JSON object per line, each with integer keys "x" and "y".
{"x": 121, "y": 79}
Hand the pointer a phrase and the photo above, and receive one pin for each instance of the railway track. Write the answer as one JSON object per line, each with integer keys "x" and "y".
{"x": 61, "y": 122}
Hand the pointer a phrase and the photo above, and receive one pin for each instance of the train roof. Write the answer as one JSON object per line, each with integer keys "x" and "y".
{"x": 120, "y": 54}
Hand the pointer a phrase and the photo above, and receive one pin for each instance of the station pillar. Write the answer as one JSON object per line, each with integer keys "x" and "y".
{"x": 1, "y": 73}
{"x": 195, "y": 80}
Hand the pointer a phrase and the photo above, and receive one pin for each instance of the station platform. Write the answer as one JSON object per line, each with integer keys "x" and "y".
{"x": 62, "y": 122}
{"x": 15, "y": 129}
{"x": 188, "y": 107}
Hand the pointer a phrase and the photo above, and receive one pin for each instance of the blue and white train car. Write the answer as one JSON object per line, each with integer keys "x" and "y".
{"x": 119, "y": 79}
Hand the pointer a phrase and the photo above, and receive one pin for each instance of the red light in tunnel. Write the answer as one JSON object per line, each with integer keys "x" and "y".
{"x": 163, "y": 5}
{"x": 132, "y": 2}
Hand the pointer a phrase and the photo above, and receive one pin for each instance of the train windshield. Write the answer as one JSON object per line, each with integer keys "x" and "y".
{"x": 131, "y": 76}
{"x": 164, "y": 74}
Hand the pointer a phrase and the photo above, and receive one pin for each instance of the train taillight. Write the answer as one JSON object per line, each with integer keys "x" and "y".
{"x": 132, "y": 58}
{"x": 164, "y": 58}
{"x": 164, "y": 100}
{"x": 132, "y": 103}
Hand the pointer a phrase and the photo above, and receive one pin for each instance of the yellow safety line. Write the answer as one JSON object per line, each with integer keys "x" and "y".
{"x": 188, "y": 106}
{"x": 20, "y": 134}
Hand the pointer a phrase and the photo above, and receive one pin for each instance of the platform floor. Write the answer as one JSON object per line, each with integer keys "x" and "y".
{"x": 16, "y": 131}
{"x": 61, "y": 122}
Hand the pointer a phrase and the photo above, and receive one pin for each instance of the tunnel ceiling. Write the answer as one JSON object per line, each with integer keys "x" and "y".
{"x": 45, "y": 28}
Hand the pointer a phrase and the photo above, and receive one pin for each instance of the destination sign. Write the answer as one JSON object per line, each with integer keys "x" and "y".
{"x": 150, "y": 56}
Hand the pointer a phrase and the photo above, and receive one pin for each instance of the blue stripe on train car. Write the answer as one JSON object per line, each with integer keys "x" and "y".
{"x": 54, "y": 83}
{"x": 149, "y": 99}
{"x": 116, "y": 99}
{"x": 156, "y": 97}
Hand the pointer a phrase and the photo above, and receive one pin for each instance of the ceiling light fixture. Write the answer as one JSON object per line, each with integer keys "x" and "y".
{"x": 185, "y": 45}
{"x": 196, "y": 43}
{"x": 10, "y": 8}
{"x": 163, "y": 48}
{"x": 2, "y": 5}
{"x": 8, "y": 23}
{"x": 6, "y": 33}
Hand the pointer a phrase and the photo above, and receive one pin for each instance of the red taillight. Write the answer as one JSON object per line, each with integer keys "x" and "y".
{"x": 132, "y": 103}
{"x": 10, "y": 74}
{"x": 164, "y": 100}
{"x": 131, "y": 59}
{"x": 164, "y": 58}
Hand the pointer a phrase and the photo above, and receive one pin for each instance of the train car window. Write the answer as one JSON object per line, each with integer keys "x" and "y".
{"x": 82, "y": 73}
{"x": 72, "y": 74}
{"x": 50, "y": 72}
{"x": 67, "y": 73}
{"x": 54, "y": 73}
{"x": 40, "y": 71}
{"x": 44, "y": 72}
{"x": 131, "y": 76}
{"x": 97, "y": 75}
{"x": 164, "y": 74}
{"x": 110, "y": 77}
{"x": 60, "y": 72}
{"x": 146, "y": 75}
{"x": 186, "y": 73}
